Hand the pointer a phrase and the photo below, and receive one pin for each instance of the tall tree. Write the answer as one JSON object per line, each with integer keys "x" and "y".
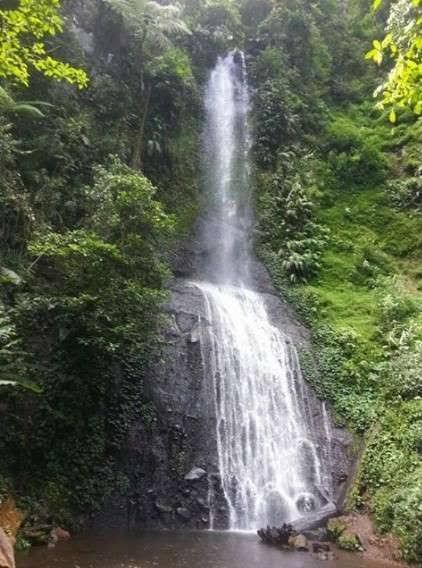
{"x": 152, "y": 27}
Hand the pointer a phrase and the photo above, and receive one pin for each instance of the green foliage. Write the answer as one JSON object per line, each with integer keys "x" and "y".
{"x": 292, "y": 26}
{"x": 278, "y": 118}
{"x": 172, "y": 66}
{"x": 392, "y": 474}
{"x": 403, "y": 46}
{"x": 151, "y": 23}
{"x": 349, "y": 542}
{"x": 15, "y": 210}
{"x": 407, "y": 193}
{"x": 153, "y": 28}
{"x": 396, "y": 307}
{"x": 22, "y": 545}
{"x": 13, "y": 359}
{"x": 86, "y": 248}
{"x": 405, "y": 372}
{"x": 114, "y": 262}
{"x": 92, "y": 296}
{"x": 371, "y": 265}
{"x": 354, "y": 153}
{"x": 23, "y": 43}
{"x": 216, "y": 27}
{"x": 287, "y": 218}
{"x": 335, "y": 528}
{"x": 9, "y": 105}
{"x": 122, "y": 205}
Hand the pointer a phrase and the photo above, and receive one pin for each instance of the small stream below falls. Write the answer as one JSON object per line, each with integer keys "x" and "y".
{"x": 179, "y": 550}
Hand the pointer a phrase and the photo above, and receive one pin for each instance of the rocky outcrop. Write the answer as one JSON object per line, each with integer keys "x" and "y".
{"x": 11, "y": 518}
{"x": 280, "y": 536}
{"x": 7, "y": 555}
{"x": 171, "y": 452}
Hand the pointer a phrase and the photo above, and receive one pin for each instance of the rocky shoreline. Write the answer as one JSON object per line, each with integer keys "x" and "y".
{"x": 353, "y": 533}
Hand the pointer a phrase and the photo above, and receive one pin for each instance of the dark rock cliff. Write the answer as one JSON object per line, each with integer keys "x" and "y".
{"x": 171, "y": 453}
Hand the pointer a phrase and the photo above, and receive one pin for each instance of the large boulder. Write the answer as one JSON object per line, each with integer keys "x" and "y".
{"x": 11, "y": 518}
{"x": 300, "y": 543}
{"x": 7, "y": 555}
{"x": 195, "y": 474}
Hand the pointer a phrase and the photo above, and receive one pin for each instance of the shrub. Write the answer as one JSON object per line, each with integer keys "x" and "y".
{"x": 353, "y": 155}
{"x": 288, "y": 220}
{"x": 407, "y": 192}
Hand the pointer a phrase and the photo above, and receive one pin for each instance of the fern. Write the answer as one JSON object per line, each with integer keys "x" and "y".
{"x": 13, "y": 371}
{"x": 28, "y": 108}
{"x": 152, "y": 24}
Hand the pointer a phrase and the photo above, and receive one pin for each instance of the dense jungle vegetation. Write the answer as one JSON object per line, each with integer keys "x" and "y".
{"x": 100, "y": 119}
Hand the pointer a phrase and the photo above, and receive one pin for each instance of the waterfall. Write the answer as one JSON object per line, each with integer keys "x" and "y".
{"x": 227, "y": 143}
{"x": 269, "y": 465}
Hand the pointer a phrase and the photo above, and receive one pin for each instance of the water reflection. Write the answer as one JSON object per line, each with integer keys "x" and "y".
{"x": 178, "y": 550}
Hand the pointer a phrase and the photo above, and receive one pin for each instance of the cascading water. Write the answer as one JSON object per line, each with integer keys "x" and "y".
{"x": 226, "y": 169}
{"x": 270, "y": 468}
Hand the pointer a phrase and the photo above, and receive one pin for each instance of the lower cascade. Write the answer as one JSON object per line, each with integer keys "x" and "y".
{"x": 270, "y": 469}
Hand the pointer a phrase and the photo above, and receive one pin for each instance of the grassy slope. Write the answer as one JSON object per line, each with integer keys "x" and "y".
{"x": 364, "y": 223}
{"x": 372, "y": 221}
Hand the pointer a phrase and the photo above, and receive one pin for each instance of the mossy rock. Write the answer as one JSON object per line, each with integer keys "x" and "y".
{"x": 335, "y": 528}
{"x": 349, "y": 541}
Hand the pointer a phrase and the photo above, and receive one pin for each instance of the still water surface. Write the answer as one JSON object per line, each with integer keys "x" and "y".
{"x": 178, "y": 550}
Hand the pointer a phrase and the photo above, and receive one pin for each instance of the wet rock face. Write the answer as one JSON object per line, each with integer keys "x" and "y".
{"x": 171, "y": 453}
{"x": 172, "y": 458}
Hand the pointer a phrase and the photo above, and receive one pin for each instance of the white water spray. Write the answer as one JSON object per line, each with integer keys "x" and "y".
{"x": 268, "y": 463}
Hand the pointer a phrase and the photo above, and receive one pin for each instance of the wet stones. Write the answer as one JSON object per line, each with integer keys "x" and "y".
{"x": 300, "y": 543}
{"x": 162, "y": 507}
{"x": 195, "y": 335}
{"x": 183, "y": 513}
{"x": 325, "y": 555}
{"x": 195, "y": 474}
{"x": 202, "y": 504}
{"x": 277, "y": 536}
{"x": 57, "y": 534}
{"x": 286, "y": 538}
{"x": 317, "y": 535}
{"x": 318, "y": 547}
{"x": 185, "y": 321}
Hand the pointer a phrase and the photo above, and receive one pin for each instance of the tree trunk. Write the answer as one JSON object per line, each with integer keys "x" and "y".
{"x": 138, "y": 147}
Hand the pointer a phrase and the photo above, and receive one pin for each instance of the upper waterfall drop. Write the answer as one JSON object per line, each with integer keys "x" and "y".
{"x": 226, "y": 169}
{"x": 271, "y": 470}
